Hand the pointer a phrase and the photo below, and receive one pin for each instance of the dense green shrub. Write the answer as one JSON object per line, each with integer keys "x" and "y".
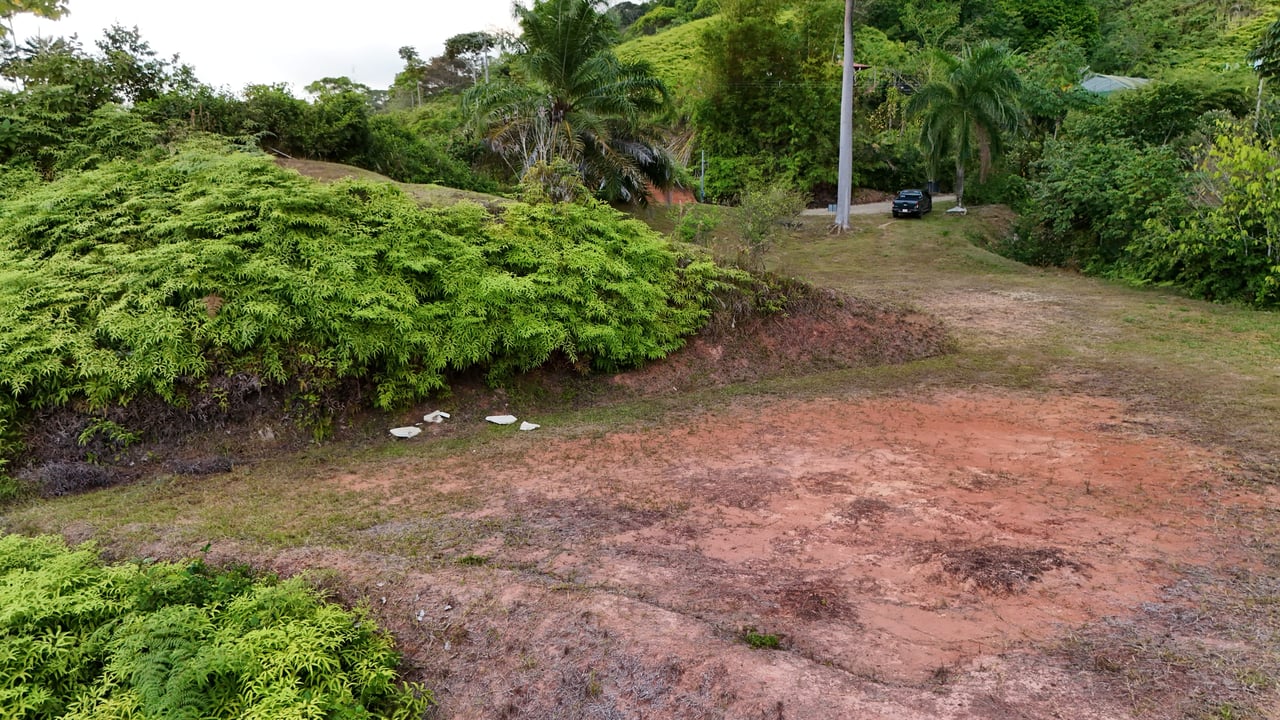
{"x": 395, "y": 149}
{"x": 1002, "y": 188}
{"x": 80, "y": 641}
{"x": 35, "y": 123}
{"x": 763, "y": 212}
{"x": 1090, "y": 199}
{"x": 200, "y": 108}
{"x": 111, "y": 133}
{"x": 1162, "y": 113}
{"x": 336, "y": 126}
{"x": 1229, "y": 248}
{"x": 276, "y": 118}
{"x": 136, "y": 279}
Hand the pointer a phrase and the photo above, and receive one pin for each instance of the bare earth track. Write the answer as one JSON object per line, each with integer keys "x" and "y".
{"x": 973, "y": 540}
{"x": 914, "y": 556}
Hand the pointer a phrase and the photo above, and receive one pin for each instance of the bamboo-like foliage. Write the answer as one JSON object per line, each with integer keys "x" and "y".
{"x": 968, "y": 112}
{"x": 147, "y": 278}
{"x": 84, "y": 641}
{"x": 570, "y": 98}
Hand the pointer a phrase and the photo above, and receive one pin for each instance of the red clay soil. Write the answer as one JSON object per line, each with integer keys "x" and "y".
{"x": 672, "y": 196}
{"x": 816, "y": 329}
{"x": 914, "y": 556}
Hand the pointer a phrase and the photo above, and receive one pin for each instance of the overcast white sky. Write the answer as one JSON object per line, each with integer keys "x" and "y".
{"x": 233, "y": 43}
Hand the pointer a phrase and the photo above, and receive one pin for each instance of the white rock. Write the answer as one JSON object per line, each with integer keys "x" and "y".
{"x": 957, "y": 211}
{"x": 502, "y": 419}
{"x": 438, "y": 416}
{"x": 406, "y": 432}
{"x": 529, "y": 426}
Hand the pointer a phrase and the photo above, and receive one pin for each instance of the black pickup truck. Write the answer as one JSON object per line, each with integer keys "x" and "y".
{"x": 912, "y": 202}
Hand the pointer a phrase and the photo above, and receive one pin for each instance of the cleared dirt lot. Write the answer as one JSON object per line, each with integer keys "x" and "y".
{"x": 935, "y": 546}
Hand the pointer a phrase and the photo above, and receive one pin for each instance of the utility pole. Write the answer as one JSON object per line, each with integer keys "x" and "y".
{"x": 844, "y": 186}
{"x": 702, "y": 179}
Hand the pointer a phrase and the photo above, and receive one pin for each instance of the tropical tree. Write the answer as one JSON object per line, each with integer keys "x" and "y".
{"x": 52, "y": 9}
{"x": 967, "y": 113}
{"x": 472, "y": 50}
{"x": 567, "y": 101}
{"x": 1266, "y": 54}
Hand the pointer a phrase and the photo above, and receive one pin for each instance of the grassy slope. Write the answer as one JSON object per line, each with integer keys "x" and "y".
{"x": 673, "y": 53}
{"x": 425, "y": 194}
{"x": 1217, "y": 365}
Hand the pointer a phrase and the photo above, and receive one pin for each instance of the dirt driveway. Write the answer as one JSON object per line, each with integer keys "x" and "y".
{"x": 880, "y": 208}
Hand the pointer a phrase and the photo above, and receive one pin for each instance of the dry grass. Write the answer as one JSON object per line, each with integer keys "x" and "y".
{"x": 1000, "y": 569}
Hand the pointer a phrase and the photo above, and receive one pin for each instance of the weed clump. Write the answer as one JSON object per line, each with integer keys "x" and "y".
{"x": 761, "y": 641}
{"x": 202, "y": 466}
{"x": 65, "y": 478}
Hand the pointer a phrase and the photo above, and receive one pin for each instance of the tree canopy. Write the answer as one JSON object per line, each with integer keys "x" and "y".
{"x": 52, "y": 9}
{"x": 1265, "y": 56}
{"x": 566, "y": 99}
{"x": 967, "y": 113}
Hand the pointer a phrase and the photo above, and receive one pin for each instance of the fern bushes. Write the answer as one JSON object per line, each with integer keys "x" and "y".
{"x": 80, "y": 640}
{"x": 148, "y": 278}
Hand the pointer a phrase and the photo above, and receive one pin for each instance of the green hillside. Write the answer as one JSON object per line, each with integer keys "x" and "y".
{"x": 674, "y": 55}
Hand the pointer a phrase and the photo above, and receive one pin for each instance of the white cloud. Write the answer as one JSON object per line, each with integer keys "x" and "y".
{"x": 233, "y": 43}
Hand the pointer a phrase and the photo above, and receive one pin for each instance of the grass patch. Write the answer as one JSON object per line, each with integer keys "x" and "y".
{"x": 426, "y": 195}
{"x": 761, "y": 641}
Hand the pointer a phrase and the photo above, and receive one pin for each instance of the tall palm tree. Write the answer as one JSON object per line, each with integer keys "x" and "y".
{"x": 568, "y": 98}
{"x": 967, "y": 113}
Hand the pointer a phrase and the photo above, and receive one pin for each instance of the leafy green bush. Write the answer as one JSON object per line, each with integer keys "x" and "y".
{"x": 396, "y": 150}
{"x": 1090, "y": 199}
{"x": 1001, "y": 188}
{"x": 1228, "y": 249}
{"x": 80, "y": 641}
{"x": 762, "y": 213}
{"x": 761, "y": 641}
{"x": 149, "y": 279}
{"x": 696, "y": 223}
